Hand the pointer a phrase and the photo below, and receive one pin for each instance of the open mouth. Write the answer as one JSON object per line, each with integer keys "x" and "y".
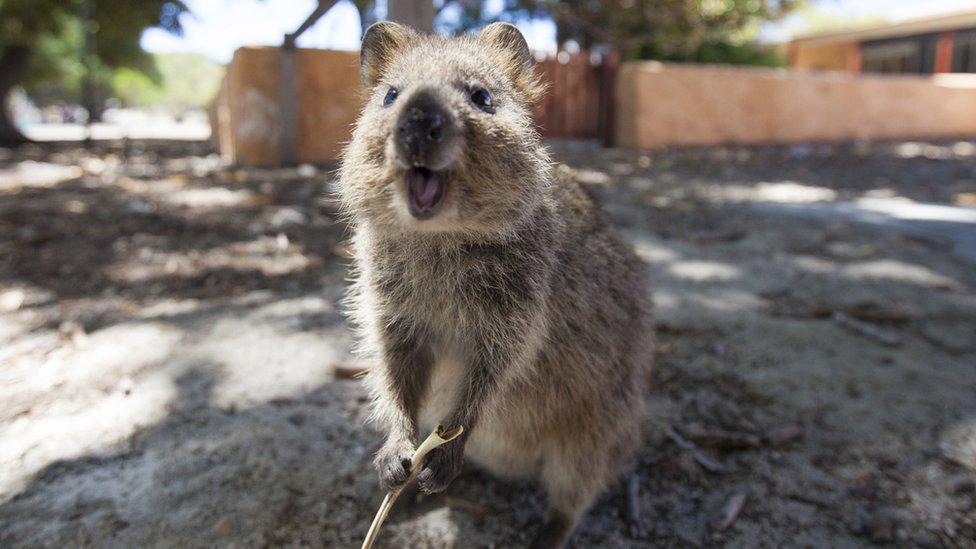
{"x": 425, "y": 191}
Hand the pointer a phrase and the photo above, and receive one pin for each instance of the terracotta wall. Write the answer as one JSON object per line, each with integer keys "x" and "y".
{"x": 822, "y": 57}
{"x": 246, "y": 109}
{"x": 657, "y": 105}
{"x": 668, "y": 104}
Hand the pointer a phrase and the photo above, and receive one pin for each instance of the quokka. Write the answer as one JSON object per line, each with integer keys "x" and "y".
{"x": 488, "y": 284}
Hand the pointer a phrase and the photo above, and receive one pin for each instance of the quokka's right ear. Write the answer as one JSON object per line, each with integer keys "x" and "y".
{"x": 381, "y": 41}
{"x": 512, "y": 51}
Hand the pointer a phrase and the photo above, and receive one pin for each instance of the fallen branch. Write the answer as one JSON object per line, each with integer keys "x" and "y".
{"x": 350, "y": 370}
{"x": 784, "y": 435}
{"x": 867, "y": 330}
{"x": 721, "y": 439}
{"x": 470, "y": 506}
{"x": 707, "y": 463}
{"x": 732, "y": 510}
{"x": 436, "y": 438}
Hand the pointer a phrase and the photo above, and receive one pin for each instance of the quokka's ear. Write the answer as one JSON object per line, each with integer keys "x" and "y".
{"x": 513, "y": 53}
{"x": 381, "y": 41}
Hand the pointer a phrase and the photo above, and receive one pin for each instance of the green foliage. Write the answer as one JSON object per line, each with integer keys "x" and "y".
{"x": 56, "y": 70}
{"x": 811, "y": 19}
{"x": 189, "y": 80}
{"x": 186, "y": 81}
{"x": 712, "y": 31}
{"x": 667, "y": 29}
{"x": 719, "y": 53}
{"x": 463, "y": 16}
{"x": 134, "y": 88}
{"x": 738, "y": 54}
{"x": 118, "y": 24}
{"x": 22, "y": 22}
{"x": 54, "y": 33}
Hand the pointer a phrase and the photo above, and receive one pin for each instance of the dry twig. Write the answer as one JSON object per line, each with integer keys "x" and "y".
{"x": 472, "y": 507}
{"x": 436, "y": 438}
{"x": 350, "y": 370}
{"x": 707, "y": 463}
{"x": 732, "y": 510}
{"x": 867, "y": 330}
{"x": 721, "y": 439}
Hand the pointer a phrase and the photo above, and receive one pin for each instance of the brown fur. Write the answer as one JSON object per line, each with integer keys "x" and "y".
{"x": 516, "y": 311}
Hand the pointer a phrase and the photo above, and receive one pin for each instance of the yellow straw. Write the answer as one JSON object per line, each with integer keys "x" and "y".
{"x": 437, "y": 437}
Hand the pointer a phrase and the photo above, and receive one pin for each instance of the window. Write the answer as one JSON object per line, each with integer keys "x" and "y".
{"x": 964, "y": 52}
{"x": 909, "y": 55}
{"x": 899, "y": 57}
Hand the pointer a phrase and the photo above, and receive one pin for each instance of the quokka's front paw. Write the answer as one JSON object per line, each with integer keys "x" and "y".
{"x": 392, "y": 462}
{"x": 441, "y": 466}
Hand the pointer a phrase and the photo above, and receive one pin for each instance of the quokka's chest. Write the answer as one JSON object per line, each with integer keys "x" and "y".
{"x": 424, "y": 297}
{"x": 444, "y": 382}
{"x": 460, "y": 287}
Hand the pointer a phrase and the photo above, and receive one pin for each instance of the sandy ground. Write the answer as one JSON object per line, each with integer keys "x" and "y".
{"x": 169, "y": 330}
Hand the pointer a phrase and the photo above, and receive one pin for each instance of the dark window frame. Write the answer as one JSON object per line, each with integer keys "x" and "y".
{"x": 913, "y": 54}
{"x": 964, "y": 51}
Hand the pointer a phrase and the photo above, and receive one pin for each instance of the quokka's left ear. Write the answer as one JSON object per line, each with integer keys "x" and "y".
{"x": 512, "y": 51}
{"x": 381, "y": 42}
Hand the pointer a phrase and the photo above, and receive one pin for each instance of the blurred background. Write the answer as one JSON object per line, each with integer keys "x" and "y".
{"x": 798, "y": 176}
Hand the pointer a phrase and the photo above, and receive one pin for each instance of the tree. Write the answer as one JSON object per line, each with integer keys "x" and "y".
{"x": 662, "y": 29}
{"x": 34, "y": 34}
{"x": 418, "y": 14}
{"x": 811, "y": 19}
{"x": 711, "y": 31}
{"x": 454, "y": 16}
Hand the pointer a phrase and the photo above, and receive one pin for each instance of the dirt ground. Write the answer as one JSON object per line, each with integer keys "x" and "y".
{"x": 169, "y": 331}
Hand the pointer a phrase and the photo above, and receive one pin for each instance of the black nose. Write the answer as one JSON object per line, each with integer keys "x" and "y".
{"x": 421, "y": 128}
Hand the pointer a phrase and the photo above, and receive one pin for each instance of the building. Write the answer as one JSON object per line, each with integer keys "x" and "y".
{"x": 946, "y": 43}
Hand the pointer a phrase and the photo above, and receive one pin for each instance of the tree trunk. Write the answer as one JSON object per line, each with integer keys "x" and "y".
{"x": 13, "y": 65}
{"x": 418, "y": 14}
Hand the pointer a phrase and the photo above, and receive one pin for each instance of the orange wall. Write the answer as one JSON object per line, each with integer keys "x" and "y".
{"x": 823, "y": 57}
{"x": 657, "y": 105}
{"x": 329, "y": 99}
{"x": 668, "y": 104}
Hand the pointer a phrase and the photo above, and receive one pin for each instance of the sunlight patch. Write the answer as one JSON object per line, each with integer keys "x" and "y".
{"x": 593, "y": 177}
{"x": 911, "y": 210}
{"x": 731, "y": 301}
{"x": 793, "y": 192}
{"x": 653, "y": 252}
{"x": 964, "y": 149}
{"x": 213, "y": 197}
{"x": 271, "y": 256}
{"x": 704, "y": 271}
{"x": 959, "y": 444}
{"x": 261, "y": 360}
{"x": 432, "y": 529}
{"x": 36, "y": 174}
{"x": 66, "y": 431}
{"x": 889, "y": 269}
{"x": 784, "y": 192}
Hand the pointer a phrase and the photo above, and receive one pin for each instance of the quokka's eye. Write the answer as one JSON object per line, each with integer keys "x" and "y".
{"x": 390, "y": 97}
{"x": 482, "y": 99}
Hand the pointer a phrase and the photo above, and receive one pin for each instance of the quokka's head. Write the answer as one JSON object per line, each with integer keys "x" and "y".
{"x": 446, "y": 141}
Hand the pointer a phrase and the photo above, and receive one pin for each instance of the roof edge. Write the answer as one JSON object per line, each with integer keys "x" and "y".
{"x": 891, "y": 30}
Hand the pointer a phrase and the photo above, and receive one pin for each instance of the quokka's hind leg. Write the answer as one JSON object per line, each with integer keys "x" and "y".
{"x": 571, "y": 492}
{"x": 556, "y": 531}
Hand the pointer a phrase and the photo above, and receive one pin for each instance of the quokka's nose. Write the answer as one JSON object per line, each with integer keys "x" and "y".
{"x": 421, "y": 128}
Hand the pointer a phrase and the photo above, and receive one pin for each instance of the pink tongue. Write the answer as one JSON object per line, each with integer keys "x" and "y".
{"x": 426, "y": 189}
